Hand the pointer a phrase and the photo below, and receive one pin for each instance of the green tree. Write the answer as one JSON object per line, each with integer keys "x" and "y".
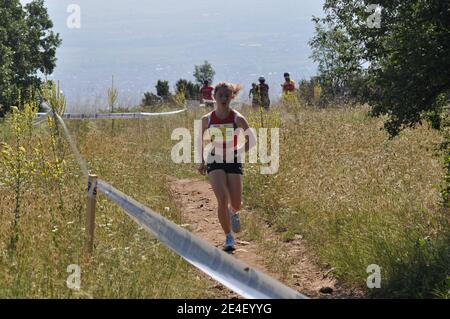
{"x": 406, "y": 59}
{"x": 27, "y": 46}
{"x": 163, "y": 89}
{"x": 340, "y": 65}
{"x": 404, "y": 67}
{"x": 405, "y": 62}
{"x": 204, "y": 72}
{"x": 150, "y": 99}
{"x": 189, "y": 89}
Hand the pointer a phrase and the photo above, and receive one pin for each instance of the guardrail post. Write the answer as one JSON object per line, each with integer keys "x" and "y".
{"x": 90, "y": 220}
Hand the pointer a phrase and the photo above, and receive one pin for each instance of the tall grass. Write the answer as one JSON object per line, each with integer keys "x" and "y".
{"x": 127, "y": 262}
{"x": 357, "y": 197}
{"x": 360, "y": 199}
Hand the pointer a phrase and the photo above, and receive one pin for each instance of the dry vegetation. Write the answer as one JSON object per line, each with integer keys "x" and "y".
{"x": 356, "y": 197}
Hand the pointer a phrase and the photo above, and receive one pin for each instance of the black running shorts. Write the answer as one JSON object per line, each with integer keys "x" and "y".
{"x": 229, "y": 168}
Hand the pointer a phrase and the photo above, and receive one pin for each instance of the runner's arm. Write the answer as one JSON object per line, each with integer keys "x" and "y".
{"x": 250, "y": 139}
{"x": 202, "y": 166}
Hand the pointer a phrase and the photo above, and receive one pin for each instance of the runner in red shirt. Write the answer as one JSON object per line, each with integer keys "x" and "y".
{"x": 225, "y": 174}
{"x": 207, "y": 94}
{"x": 288, "y": 85}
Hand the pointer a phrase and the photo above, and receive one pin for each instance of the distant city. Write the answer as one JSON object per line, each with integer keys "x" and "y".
{"x": 140, "y": 42}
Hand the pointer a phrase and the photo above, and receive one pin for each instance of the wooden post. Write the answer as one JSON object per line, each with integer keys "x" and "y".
{"x": 90, "y": 220}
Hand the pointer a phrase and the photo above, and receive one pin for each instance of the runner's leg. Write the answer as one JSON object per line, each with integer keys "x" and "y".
{"x": 235, "y": 191}
{"x": 234, "y": 182}
{"x": 218, "y": 180}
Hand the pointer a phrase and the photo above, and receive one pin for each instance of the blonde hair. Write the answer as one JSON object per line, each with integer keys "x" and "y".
{"x": 233, "y": 88}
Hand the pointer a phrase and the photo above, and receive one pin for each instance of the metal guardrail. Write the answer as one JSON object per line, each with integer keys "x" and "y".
{"x": 105, "y": 116}
{"x": 227, "y": 270}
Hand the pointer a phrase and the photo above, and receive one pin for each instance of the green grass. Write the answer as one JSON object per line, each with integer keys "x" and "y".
{"x": 355, "y": 196}
{"x": 360, "y": 199}
{"x": 127, "y": 262}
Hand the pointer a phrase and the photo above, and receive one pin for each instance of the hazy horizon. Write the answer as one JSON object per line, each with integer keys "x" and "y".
{"x": 140, "y": 42}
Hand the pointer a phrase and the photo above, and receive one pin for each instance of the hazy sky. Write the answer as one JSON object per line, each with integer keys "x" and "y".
{"x": 141, "y": 41}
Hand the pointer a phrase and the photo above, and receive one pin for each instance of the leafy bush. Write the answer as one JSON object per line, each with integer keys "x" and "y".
{"x": 151, "y": 99}
{"x": 189, "y": 89}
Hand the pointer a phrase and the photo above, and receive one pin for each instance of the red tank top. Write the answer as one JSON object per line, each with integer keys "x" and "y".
{"x": 207, "y": 92}
{"x": 227, "y": 126}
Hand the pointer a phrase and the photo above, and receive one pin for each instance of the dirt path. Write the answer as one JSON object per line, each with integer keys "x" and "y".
{"x": 198, "y": 205}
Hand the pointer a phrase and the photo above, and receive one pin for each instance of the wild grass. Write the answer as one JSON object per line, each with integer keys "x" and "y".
{"x": 357, "y": 197}
{"x": 127, "y": 262}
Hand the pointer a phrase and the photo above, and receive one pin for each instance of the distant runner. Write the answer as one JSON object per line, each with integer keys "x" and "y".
{"x": 206, "y": 92}
{"x": 254, "y": 95}
{"x": 263, "y": 90}
{"x": 288, "y": 85}
{"x": 225, "y": 175}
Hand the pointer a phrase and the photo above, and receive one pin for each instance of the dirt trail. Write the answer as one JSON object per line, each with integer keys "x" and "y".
{"x": 198, "y": 206}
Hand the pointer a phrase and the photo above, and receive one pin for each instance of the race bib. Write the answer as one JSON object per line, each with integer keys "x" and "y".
{"x": 227, "y": 133}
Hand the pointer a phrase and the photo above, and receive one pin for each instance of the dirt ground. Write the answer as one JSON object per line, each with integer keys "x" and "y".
{"x": 198, "y": 205}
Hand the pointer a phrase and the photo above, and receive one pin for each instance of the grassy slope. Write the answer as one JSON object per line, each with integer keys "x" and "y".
{"x": 358, "y": 199}
{"x": 127, "y": 262}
